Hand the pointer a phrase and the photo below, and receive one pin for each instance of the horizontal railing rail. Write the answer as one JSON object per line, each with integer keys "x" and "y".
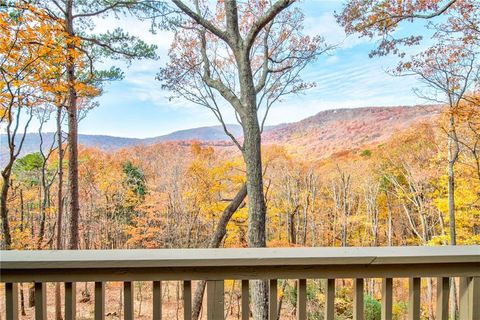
{"x": 217, "y": 265}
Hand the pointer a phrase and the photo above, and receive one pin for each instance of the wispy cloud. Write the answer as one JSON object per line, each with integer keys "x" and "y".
{"x": 137, "y": 106}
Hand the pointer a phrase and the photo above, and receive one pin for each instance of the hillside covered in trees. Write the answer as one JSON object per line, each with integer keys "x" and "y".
{"x": 383, "y": 192}
{"x": 387, "y": 192}
{"x": 369, "y": 176}
{"x": 323, "y": 133}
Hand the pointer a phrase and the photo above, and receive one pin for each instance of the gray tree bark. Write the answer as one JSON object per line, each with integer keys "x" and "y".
{"x": 58, "y": 302}
{"x": 256, "y": 206}
{"x": 7, "y": 239}
{"x": 453, "y": 151}
{"x": 74, "y": 206}
{"x": 245, "y": 105}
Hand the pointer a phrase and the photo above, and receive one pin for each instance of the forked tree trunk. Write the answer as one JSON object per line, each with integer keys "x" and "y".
{"x": 246, "y": 108}
{"x": 215, "y": 242}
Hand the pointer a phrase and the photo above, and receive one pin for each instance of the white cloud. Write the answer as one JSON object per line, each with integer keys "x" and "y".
{"x": 325, "y": 25}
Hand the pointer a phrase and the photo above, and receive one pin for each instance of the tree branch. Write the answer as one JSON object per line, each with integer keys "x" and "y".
{"x": 424, "y": 16}
{"x": 259, "y": 24}
{"x": 106, "y": 46}
{"x": 103, "y": 10}
{"x": 200, "y": 20}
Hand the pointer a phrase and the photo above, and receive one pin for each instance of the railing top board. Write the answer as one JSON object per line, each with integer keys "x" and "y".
{"x": 164, "y": 258}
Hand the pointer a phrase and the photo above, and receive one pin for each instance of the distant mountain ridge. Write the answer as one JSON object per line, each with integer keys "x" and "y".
{"x": 206, "y": 134}
{"x": 332, "y": 131}
{"x": 112, "y": 143}
{"x": 320, "y": 135}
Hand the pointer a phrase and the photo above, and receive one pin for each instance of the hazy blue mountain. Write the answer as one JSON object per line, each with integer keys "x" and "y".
{"x": 324, "y": 133}
{"x": 108, "y": 143}
{"x": 207, "y": 134}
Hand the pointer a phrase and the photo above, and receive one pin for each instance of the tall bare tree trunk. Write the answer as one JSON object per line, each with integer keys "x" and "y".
{"x": 256, "y": 206}
{"x": 72, "y": 134}
{"x": 58, "y": 302}
{"x": 215, "y": 242}
{"x": 453, "y": 150}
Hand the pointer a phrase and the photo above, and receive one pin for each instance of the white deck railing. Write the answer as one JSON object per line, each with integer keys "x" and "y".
{"x": 217, "y": 265}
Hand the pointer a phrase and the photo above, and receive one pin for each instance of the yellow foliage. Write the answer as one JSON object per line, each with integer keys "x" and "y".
{"x": 34, "y": 54}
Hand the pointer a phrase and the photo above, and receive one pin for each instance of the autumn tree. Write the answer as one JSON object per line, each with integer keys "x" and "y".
{"x": 448, "y": 67}
{"x": 449, "y": 70}
{"x": 27, "y": 182}
{"x": 77, "y": 18}
{"x": 248, "y": 56}
{"x": 469, "y": 129}
{"x": 30, "y": 47}
{"x": 379, "y": 19}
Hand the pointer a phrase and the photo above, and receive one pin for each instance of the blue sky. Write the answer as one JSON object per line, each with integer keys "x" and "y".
{"x": 137, "y": 106}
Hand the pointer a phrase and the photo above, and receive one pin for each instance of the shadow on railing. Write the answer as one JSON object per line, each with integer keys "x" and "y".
{"x": 217, "y": 265}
